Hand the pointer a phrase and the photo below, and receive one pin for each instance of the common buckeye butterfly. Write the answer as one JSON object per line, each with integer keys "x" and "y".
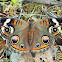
{"x": 25, "y": 36}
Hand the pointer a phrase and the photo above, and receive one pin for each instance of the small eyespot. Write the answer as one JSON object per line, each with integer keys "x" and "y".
{"x": 37, "y": 45}
{"x": 22, "y": 46}
{"x": 45, "y": 39}
{"x": 15, "y": 39}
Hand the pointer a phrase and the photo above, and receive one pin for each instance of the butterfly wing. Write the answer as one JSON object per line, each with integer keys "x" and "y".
{"x": 15, "y": 31}
{"x": 55, "y": 29}
{"x": 43, "y": 40}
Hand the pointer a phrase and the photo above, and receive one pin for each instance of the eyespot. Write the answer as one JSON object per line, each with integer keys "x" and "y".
{"x": 22, "y": 46}
{"x": 15, "y": 39}
{"x": 7, "y": 30}
{"x": 54, "y": 29}
{"x": 45, "y": 39}
{"x": 37, "y": 45}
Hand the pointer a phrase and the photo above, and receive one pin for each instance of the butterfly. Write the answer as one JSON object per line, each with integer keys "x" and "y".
{"x": 23, "y": 37}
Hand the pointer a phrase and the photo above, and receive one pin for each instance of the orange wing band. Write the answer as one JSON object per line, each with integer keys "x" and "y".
{"x": 6, "y": 34}
{"x": 42, "y": 46}
{"x": 15, "y": 22}
{"x": 55, "y": 34}
{"x": 42, "y": 22}
{"x": 16, "y": 47}
{"x": 47, "y": 22}
{"x": 20, "y": 22}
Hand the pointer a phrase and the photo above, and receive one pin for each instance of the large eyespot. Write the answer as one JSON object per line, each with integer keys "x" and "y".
{"x": 15, "y": 39}
{"x": 45, "y": 39}
{"x": 5, "y": 29}
{"x": 53, "y": 29}
{"x": 37, "y": 45}
{"x": 22, "y": 46}
{"x": 8, "y": 30}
